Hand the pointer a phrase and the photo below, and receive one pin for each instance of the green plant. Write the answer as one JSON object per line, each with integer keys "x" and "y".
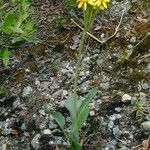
{"x": 15, "y": 26}
{"x": 79, "y": 108}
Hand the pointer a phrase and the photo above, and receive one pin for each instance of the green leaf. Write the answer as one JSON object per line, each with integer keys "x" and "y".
{"x": 31, "y": 39}
{"x": 2, "y": 91}
{"x": 9, "y": 20}
{"x": 29, "y": 26}
{"x": 59, "y": 118}
{"x": 83, "y": 111}
{"x": 70, "y": 104}
{"x": 17, "y": 30}
{"x": 5, "y": 56}
{"x": 74, "y": 143}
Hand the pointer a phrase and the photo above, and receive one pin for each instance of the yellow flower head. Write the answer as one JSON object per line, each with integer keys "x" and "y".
{"x": 84, "y": 3}
{"x": 101, "y": 4}
{"x": 96, "y": 4}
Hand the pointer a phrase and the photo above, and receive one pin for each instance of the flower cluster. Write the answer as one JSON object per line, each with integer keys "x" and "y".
{"x": 96, "y": 4}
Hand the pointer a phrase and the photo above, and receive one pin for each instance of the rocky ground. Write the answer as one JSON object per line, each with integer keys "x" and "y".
{"x": 42, "y": 74}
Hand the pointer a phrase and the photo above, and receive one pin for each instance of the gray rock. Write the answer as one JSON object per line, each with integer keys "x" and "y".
{"x": 117, "y": 132}
{"x": 42, "y": 112}
{"x": 37, "y": 83}
{"x": 148, "y": 67}
{"x": 126, "y": 98}
{"x": 111, "y": 124}
{"x": 118, "y": 109}
{"x": 57, "y": 94}
{"x": 27, "y": 91}
{"x": 47, "y": 131}
{"x": 24, "y": 126}
{"x": 35, "y": 142}
{"x": 92, "y": 113}
{"x": 43, "y": 125}
{"x": 58, "y": 140}
{"x": 145, "y": 86}
{"x": 52, "y": 125}
{"x": 105, "y": 86}
{"x": 16, "y": 103}
{"x": 146, "y": 125}
{"x": 133, "y": 39}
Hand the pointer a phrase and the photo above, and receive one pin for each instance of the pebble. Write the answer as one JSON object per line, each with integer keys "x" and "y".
{"x": 148, "y": 68}
{"x": 16, "y": 103}
{"x": 133, "y": 39}
{"x": 47, "y": 131}
{"x": 105, "y": 86}
{"x": 92, "y": 113}
{"x": 52, "y": 125}
{"x": 145, "y": 86}
{"x": 57, "y": 94}
{"x": 37, "y": 83}
{"x": 111, "y": 124}
{"x": 65, "y": 92}
{"x": 146, "y": 125}
{"x": 130, "y": 46}
{"x": 35, "y": 142}
{"x": 126, "y": 98}
{"x": 42, "y": 112}
{"x": 117, "y": 132}
{"x": 27, "y": 91}
{"x": 118, "y": 109}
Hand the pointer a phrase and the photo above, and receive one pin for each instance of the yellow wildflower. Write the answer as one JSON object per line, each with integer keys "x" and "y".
{"x": 84, "y": 3}
{"x": 101, "y": 4}
{"x": 96, "y": 4}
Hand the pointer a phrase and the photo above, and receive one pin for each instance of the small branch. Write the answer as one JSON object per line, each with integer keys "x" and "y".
{"x": 117, "y": 28}
{"x": 95, "y": 38}
{"x": 148, "y": 34}
{"x": 87, "y": 32}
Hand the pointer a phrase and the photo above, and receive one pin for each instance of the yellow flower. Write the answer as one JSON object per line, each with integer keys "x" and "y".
{"x": 96, "y": 4}
{"x": 84, "y": 3}
{"x": 101, "y": 4}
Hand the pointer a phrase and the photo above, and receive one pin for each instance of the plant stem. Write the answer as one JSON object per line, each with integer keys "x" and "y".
{"x": 77, "y": 71}
{"x": 88, "y": 21}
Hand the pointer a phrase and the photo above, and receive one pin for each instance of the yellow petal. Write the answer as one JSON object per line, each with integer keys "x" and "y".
{"x": 101, "y": 7}
{"x": 104, "y": 4}
{"x": 85, "y": 6}
{"x": 80, "y": 4}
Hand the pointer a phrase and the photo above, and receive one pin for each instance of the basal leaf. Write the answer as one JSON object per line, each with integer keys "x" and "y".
{"x": 83, "y": 110}
{"x": 59, "y": 118}
{"x": 5, "y": 56}
{"x": 8, "y": 22}
{"x": 70, "y": 104}
{"x": 29, "y": 26}
{"x": 17, "y": 30}
{"x": 74, "y": 143}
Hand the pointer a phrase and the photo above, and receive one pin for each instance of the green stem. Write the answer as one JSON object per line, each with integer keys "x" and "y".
{"x": 88, "y": 18}
{"x": 77, "y": 72}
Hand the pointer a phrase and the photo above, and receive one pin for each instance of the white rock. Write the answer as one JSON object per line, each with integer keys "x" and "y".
{"x": 92, "y": 113}
{"x": 47, "y": 131}
{"x": 133, "y": 39}
{"x": 146, "y": 125}
{"x": 65, "y": 92}
{"x": 35, "y": 141}
{"x": 37, "y": 82}
{"x": 126, "y": 97}
{"x": 42, "y": 112}
{"x": 27, "y": 91}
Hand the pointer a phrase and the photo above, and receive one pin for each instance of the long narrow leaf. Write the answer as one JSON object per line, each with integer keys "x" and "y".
{"x": 83, "y": 111}
{"x": 70, "y": 105}
{"x": 8, "y": 23}
{"x": 5, "y": 56}
{"x": 59, "y": 118}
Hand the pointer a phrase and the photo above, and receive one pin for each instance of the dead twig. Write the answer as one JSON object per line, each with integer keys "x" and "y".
{"x": 104, "y": 41}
